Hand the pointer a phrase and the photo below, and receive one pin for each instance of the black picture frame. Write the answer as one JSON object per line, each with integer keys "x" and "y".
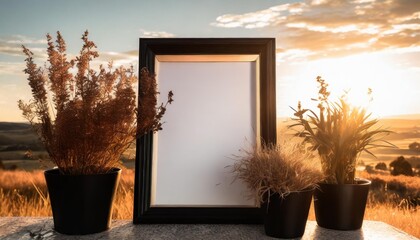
{"x": 152, "y": 47}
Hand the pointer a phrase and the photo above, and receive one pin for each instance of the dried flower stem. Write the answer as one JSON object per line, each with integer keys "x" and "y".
{"x": 96, "y": 115}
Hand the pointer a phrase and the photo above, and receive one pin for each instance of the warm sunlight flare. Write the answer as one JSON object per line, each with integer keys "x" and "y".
{"x": 356, "y": 74}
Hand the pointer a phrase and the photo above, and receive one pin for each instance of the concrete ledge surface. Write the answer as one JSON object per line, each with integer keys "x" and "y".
{"x": 42, "y": 228}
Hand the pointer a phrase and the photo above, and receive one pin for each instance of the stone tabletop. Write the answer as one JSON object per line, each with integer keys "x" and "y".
{"x": 42, "y": 228}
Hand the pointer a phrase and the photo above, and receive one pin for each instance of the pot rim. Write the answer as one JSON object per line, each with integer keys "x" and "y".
{"x": 309, "y": 189}
{"x": 56, "y": 171}
{"x": 359, "y": 182}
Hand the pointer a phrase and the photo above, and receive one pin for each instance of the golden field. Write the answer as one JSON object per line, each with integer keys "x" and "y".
{"x": 24, "y": 193}
{"x": 393, "y": 199}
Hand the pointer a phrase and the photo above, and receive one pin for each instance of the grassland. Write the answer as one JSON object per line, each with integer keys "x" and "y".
{"x": 24, "y": 194}
{"x": 393, "y": 199}
{"x": 405, "y": 132}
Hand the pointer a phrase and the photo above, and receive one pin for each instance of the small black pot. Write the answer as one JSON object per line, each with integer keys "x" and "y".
{"x": 82, "y": 204}
{"x": 286, "y": 217}
{"x": 341, "y": 206}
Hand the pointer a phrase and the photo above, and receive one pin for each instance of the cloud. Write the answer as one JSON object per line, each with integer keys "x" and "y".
{"x": 155, "y": 34}
{"x": 328, "y": 28}
{"x": 118, "y": 58}
{"x": 10, "y": 50}
{"x": 21, "y": 39}
{"x": 249, "y": 20}
{"x": 258, "y": 19}
{"x": 12, "y": 45}
{"x": 11, "y": 68}
{"x": 118, "y": 55}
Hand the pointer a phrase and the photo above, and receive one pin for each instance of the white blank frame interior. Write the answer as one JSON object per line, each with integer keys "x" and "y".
{"x": 215, "y": 113}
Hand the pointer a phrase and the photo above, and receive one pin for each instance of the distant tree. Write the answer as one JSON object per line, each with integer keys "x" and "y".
{"x": 381, "y": 166}
{"x": 401, "y": 166}
{"x": 369, "y": 168}
{"x": 415, "y": 146}
{"x": 414, "y": 161}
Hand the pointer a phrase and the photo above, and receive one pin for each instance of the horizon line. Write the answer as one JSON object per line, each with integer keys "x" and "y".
{"x": 411, "y": 116}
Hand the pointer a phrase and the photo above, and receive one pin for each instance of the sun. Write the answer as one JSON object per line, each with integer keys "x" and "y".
{"x": 356, "y": 75}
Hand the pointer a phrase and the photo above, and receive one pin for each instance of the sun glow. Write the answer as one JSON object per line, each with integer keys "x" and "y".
{"x": 390, "y": 85}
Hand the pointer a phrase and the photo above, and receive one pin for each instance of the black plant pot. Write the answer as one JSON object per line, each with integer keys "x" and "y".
{"x": 341, "y": 206}
{"x": 286, "y": 217}
{"x": 82, "y": 204}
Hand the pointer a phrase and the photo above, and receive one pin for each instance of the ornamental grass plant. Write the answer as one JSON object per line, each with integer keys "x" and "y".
{"x": 339, "y": 133}
{"x": 92, "y": 117}
{"x": 283, "y": 168}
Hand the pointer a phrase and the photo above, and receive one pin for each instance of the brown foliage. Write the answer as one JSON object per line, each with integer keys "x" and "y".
{"x": 281, "y": 169}
{"x": 150, "y": 117}
{"x": 95, "y": 112}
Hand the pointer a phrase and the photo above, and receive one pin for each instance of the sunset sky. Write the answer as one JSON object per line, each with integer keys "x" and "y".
{"x": 353, "y": 44}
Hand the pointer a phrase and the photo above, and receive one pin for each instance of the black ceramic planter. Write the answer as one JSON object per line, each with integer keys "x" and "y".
{"x": 341, "y": 206}
{"x": 82, "y": 204}
{"x": 286, "y": 217}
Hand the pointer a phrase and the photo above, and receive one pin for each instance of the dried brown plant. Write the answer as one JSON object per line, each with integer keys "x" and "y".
{"x": 94, "y": 116}
{"x": 282, "y": 169}
{"x": 339, "y": 133}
